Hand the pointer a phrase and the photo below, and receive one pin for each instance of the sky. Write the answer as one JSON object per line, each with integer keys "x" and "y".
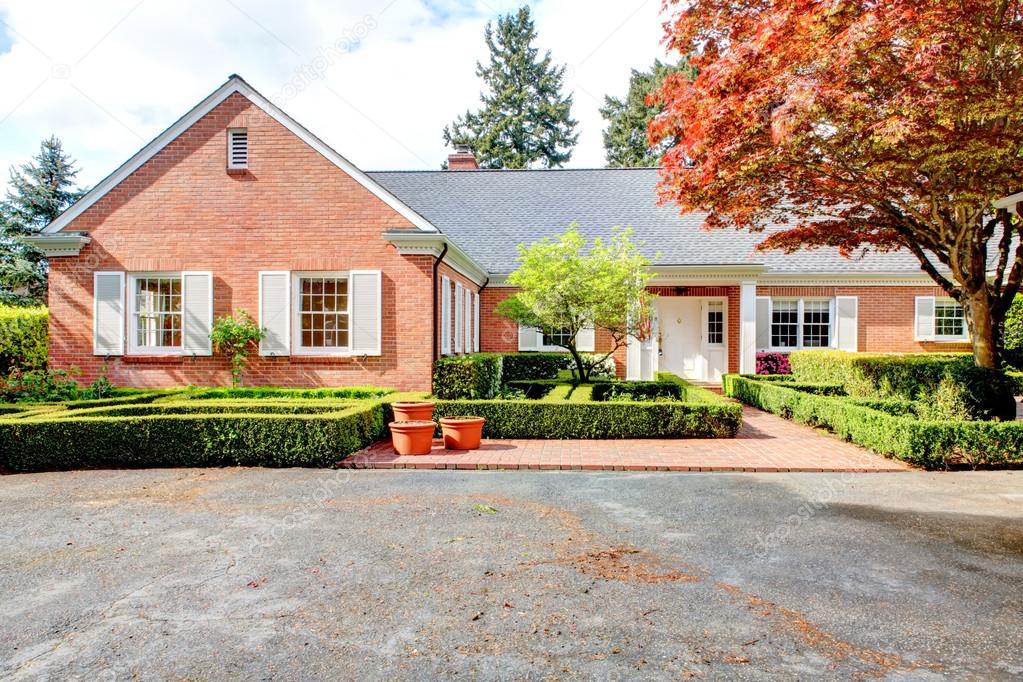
{"x": 375, "y": 79}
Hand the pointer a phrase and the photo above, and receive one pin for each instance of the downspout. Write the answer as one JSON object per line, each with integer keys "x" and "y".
{"x": 436, "y": 303}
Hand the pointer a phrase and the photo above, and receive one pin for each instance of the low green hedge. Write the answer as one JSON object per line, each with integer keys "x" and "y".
{"x": 933, "y": 444}
{"x": 950, "y": 385}
{"x": 1017, "y": 381}
{"x": 598, "y": 420}
{"x": 23, "y": 338}
{"x": 258, "y": 392}
{"x": 189, "y": 434}
{"x": 692, "y": 393}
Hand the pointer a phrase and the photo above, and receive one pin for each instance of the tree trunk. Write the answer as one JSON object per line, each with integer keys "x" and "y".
{"x": 580, "y": 365}
{"x": 984, "y": 328}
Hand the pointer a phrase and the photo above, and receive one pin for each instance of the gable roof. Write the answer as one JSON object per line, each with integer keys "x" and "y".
{"x": 489, "y": 213}
{"x": 234, "y": 84}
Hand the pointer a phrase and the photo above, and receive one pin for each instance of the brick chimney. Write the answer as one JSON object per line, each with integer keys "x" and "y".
{"x": 463, "y": 159}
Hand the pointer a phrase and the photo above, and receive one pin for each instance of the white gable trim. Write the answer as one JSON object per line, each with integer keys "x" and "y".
{"x": 234, "y": 84}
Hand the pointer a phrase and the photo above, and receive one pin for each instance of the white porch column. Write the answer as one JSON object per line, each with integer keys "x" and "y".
{"x": 748, "y": 327}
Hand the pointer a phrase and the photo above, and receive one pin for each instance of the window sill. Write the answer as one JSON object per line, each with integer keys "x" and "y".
{"x": 175, "y": 358}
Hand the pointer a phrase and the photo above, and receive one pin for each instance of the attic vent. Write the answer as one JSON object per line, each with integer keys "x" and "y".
{"x": 238, "y": 148}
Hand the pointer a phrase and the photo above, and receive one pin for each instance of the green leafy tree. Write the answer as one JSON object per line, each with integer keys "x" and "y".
{"x": 236, "y": 337}
{"x": 524, "y": 118}
{"x": 568, "y": 284}
{"x": 38, "y": 192}
{"x": 626, "y": 140}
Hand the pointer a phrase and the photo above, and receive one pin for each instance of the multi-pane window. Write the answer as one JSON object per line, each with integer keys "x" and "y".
{"x": 323, "y": 312}
{"x": 816, "y": 324}
{"x": 949, "y": 319}
{"x": 156, "y": 312}
{"x": 557, "y": 337}
{"x": 785, "y": 324}
{"x": 715, "y": 323}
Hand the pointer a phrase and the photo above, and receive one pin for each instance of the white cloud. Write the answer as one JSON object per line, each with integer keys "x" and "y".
{"x": 108, "y": 76}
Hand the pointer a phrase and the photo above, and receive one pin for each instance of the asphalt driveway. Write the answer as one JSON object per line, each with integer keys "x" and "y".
{"x": 307, "y": 574}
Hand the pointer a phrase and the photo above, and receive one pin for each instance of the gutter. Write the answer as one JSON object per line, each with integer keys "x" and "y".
{"x": 436, "y": 303}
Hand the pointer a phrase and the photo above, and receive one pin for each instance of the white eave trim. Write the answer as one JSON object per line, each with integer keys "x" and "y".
{"x": 1010, "y": 202}
{"x": 895, "y": 278}
{"x": 235, "y": 84}
{"x": 410, "y": 242}
{"x": 56, "y": 245}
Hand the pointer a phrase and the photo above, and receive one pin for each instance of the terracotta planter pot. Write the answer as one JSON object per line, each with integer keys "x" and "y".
{"x": 462, "y": 433}
{"x": 412, "y": 437}
{"x": 413, "y": 412}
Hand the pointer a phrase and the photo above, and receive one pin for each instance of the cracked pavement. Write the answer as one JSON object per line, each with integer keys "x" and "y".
{"x": 314, "y": 574}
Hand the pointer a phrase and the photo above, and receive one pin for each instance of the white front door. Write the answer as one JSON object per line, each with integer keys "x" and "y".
{"x": 694, "y": 337}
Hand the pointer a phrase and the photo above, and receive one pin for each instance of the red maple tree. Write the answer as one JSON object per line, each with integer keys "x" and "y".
{"x": 885, "y": 124}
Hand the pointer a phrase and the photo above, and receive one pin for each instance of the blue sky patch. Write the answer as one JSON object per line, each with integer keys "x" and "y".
{"x": 5, "y": 37}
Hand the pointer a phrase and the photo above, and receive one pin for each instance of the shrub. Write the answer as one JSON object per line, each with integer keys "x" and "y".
{"x": 980, "y": 394}
{"x": 692, "y": 393}
{"x": 607, "y": 420}
{"x": 888, "y": 427}
{"x": 23, "y": 338}
{"x": 773, "y": 363}
{"x": 43, "y": 385}
{"x": 1017, "y": 381}
{"x": 236, "y": 337}
{"x": 467, "y": 376}
{"x": 313, "y": 438}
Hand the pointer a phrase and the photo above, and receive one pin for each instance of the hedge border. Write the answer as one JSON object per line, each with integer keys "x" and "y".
{"x": 930, "y": 444}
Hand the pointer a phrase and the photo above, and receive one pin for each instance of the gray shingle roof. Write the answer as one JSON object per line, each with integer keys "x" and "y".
{"x": 488, "y": 213}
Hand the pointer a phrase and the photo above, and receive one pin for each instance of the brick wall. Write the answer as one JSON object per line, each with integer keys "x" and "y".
{"x": 291, "y": 210}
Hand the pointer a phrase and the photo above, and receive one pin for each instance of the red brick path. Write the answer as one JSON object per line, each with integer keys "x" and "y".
{"x": 765, "y": 443}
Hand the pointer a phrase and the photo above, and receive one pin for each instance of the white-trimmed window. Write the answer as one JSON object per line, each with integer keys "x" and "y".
{"x": 940, "y": 319}
{"x": 716, "y": 323}
{"x": 949, "y": 320}
{"x": 801, "y": 323}
{"x": 156, "y": 317}
{"x": 321, "y": 313}
{"x": 556, "y": 338}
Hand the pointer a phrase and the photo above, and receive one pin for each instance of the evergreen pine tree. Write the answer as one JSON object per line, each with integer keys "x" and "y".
{"x": 625, "y": 138}
{"x": 38, "y": 192}
{"x": 524, "y": 118}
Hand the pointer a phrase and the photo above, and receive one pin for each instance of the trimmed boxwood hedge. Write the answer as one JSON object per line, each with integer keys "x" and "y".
{"x": 467, "y": 376}
{"x": 888, "y": 427}
{"x": 600, "y": 420}
{"x": 949, "y": 385}
{"x": 248, "y": 435}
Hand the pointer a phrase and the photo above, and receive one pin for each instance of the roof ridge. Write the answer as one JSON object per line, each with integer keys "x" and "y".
{"x": 517, "y": 170}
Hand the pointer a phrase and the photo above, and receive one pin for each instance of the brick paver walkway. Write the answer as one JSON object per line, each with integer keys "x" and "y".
{"x": 765, "y": 443}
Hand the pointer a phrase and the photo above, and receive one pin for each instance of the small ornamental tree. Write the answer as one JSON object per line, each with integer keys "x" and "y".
{"x": 858, "y": 124}
{"x": 236, "y": 337}
{"x": 567, "y": 284}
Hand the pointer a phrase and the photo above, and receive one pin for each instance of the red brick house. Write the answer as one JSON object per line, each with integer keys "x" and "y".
{"x": 365, "y": 278}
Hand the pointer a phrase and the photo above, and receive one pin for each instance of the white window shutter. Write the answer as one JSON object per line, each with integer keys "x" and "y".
{"x": 275, "y": 313}
{"x": 476, "y": 324}
{"x": 458, "y": 318}
{"x": 468, "y": 321}
{"x": 924, "y": 322}
{"x": 364, "y": 327}
{"x": 529, "y": 338}
{"x": 846, "y": 332}
{"x": 197, "y": 312}
{"x": 108, "y": 313}
{"x": 763, "y": 323}
{"x": 445, "y": 316}
{"x": 585, "y": 340}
